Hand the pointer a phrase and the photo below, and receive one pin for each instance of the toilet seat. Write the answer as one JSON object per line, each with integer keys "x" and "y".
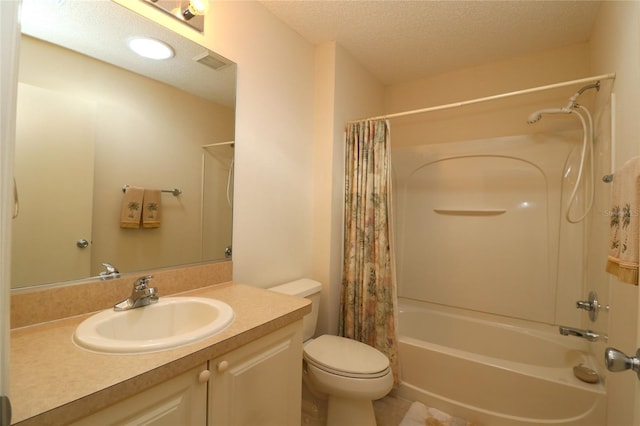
{"x": 346, "y": 357}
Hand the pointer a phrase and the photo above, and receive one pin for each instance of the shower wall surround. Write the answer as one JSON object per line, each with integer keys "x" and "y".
{"x": 480, "y": 225}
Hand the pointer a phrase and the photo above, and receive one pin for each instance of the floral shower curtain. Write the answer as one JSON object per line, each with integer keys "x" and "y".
{"x": 368, "y": 300}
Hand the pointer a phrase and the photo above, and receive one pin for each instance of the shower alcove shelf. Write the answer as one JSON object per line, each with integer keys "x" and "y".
{"x": 470, "y": 212}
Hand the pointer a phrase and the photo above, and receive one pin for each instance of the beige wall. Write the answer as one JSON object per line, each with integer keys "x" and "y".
{"x": 274, "y": 139}
{"x": 491, "y": 119}
{"x": 137, "y": 142}
{"x": 615, "y": 47}
{"x": 344, "y": 91}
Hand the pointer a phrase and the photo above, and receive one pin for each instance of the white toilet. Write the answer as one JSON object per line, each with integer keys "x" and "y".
{"x": 350, "y": 374}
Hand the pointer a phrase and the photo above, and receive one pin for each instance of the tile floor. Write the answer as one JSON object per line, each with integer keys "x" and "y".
{"x": 389, "y": 410}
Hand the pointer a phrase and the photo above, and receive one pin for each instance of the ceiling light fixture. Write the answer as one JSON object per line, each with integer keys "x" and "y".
{"x": 195, "y": 8}
{"x": 151, "y": 48}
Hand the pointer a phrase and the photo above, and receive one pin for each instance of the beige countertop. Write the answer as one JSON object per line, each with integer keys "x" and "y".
{"x": 53, "y": 381}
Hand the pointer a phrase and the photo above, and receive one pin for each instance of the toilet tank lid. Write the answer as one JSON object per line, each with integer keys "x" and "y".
{"x": 302, "y": 288}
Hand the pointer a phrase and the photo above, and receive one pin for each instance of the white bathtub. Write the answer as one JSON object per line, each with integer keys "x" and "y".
{"x": 494, "y": 373}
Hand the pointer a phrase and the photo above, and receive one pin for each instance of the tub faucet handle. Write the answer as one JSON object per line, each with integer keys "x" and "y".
{"x": 591, "y": 305}
{"x": 587, "y": 306}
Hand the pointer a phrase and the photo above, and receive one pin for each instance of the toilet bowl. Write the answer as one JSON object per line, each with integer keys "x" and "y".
{"x": 349, "y": 374}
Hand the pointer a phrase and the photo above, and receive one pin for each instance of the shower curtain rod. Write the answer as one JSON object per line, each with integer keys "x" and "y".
{"x": 217, "y": 144}
{"x": 491, "y": 98}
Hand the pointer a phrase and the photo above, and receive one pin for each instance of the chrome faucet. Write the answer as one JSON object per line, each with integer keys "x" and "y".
{"x": 585, "y": 334}
{"x": 141, "y": 295}
{"x": 109, "y": 272}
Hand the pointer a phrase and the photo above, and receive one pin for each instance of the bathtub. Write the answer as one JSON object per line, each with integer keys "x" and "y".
{"x": 505, "y": 373}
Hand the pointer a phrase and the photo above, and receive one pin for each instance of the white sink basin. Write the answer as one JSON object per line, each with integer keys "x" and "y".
{"x": 169, "y": 323}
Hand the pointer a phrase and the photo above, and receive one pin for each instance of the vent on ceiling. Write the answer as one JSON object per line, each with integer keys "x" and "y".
{"x": 212, "y": 60}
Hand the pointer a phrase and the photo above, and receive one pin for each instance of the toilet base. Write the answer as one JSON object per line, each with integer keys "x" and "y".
{"x": 349, "y": 412}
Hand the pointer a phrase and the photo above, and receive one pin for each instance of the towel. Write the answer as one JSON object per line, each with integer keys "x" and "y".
{"x": 152, "y": 208}
{"x": 622, "y": 259}
{"x": 131, "y": 207}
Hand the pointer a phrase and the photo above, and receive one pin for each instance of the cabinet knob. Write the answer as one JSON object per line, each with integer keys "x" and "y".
{"x": 204, "y": 375}
{"x": 222, "y": 366}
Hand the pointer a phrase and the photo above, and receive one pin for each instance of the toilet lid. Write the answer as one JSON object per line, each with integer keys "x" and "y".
{"x": 346, "y": 356}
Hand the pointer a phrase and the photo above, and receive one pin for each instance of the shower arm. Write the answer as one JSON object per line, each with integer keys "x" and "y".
{"x": 595, "y": 85}
{"x": 573, "y": 99}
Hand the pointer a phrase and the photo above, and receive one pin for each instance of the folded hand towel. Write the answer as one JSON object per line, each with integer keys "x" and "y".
{"x": 131, "y": 207}
{"x": 622, "y": 260}
{"x": 152, "y": 208}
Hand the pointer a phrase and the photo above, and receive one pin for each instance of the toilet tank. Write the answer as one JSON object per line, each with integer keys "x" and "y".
{"x": 309, "y": 289}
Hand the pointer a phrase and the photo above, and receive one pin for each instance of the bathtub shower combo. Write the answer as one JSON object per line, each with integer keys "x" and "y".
{"x": 485, "y": 232}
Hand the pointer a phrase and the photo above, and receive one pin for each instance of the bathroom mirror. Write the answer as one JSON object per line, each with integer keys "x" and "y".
{"x": 93, "y": 117}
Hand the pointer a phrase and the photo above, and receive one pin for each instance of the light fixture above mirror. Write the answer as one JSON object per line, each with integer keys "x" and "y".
{"x": 191, "y": 12}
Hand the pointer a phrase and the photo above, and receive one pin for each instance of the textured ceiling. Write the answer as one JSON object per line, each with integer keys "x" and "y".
{"x": 399, "y": 40}
{"x": 396, "y": 40}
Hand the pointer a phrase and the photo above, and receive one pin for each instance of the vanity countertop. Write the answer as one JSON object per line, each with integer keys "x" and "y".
{"x": 54, "y": 381}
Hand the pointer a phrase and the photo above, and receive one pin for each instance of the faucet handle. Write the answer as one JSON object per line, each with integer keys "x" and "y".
{"x": 592, "y": 305}
{"x": 141, "y": 283}
{"x": 109, "y": 272}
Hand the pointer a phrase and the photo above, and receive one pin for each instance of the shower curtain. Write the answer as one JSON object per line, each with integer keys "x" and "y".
{"x": 368, "y": 298}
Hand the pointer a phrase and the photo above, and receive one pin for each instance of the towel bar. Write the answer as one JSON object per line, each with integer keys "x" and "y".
{"x": 175, "y": 191}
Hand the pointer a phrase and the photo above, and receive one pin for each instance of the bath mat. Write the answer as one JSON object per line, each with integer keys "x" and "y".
{"x": 421, "y": 415}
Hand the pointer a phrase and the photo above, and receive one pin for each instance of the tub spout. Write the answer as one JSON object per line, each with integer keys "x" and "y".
{"x": 585, "y": 334}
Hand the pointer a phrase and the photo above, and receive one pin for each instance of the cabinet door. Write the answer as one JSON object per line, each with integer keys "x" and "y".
{"x": 179, "y": 401}
{"x": 259, "y": 384}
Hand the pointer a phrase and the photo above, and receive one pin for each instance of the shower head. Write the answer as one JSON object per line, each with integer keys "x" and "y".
{"x": 537, "y": 115}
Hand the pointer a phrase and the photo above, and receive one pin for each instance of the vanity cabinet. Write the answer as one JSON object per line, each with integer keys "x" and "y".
{"x": 260, "y": 383}
{"x": 257, "y": 384}
{"x": 181, "y": 400}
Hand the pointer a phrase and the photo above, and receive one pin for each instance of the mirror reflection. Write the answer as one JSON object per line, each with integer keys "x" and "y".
{"x": 90, "y": 122}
